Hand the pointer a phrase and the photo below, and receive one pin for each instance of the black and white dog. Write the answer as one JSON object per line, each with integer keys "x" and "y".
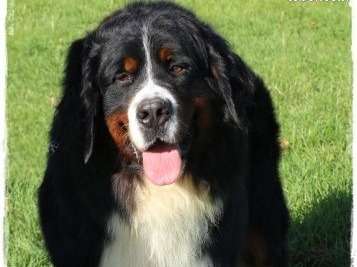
{"x": 166, "y": 152}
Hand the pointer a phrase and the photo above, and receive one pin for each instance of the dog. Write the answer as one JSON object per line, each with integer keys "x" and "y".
{"x": 164, "y": 150}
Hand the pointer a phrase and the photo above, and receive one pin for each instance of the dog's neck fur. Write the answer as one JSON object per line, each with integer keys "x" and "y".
{"x": 168, "y": 227}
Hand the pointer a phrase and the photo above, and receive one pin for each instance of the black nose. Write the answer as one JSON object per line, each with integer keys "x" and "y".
{"x": 154, "y": 112}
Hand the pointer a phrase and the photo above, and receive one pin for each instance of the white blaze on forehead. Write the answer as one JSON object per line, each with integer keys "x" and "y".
{"x": 146, "y": 44}
{"x": 149, "y": 89}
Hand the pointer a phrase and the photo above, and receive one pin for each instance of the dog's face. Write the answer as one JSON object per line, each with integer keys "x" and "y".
{"x": 158, "y": 90}
{"x": 152, "y": 80}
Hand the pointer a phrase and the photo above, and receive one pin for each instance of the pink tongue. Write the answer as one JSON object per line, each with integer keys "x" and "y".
{"x": 162, "y": 164}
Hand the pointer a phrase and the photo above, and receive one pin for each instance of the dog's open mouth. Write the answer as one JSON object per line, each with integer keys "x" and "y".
{"x": 162, "y": 163}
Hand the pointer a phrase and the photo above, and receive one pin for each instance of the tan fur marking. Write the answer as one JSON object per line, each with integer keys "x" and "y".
{"x": 256, "y": 249}
{"x": 215, "y": 72}
{"x": 130, "y": 64}
{"x": 165, "y": 54}
{"x": 203, "y": 110}
{"x": 117, "y": 124}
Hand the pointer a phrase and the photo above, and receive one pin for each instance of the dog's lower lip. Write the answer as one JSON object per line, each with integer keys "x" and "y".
{"x": 153, "y": 145}
{"x": 160, "y": 145}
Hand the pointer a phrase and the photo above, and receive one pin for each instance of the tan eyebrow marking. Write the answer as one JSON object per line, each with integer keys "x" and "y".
{"x": 165, "y": 54}
{"x": 130, "y": 64}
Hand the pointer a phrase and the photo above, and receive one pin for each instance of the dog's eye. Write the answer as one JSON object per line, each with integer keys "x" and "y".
{"x": 124, "y": 77}
{"x": 177, "y": 69}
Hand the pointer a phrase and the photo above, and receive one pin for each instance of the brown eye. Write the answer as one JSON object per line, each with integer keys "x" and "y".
{"x": 177, "y": 70}
{"x": 124, "y": 77}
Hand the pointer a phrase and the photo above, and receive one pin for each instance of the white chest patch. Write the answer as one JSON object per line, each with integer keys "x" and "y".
{"x": 167, "y": 229}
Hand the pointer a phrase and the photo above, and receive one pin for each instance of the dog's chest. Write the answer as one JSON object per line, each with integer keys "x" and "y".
{"x": 168, "y": 228}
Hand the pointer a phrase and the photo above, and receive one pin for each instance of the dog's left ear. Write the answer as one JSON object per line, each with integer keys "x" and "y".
{"x": 220, "y": 68}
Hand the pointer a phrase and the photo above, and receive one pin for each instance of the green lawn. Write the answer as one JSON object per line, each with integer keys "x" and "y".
{"x": 302, "y": 50}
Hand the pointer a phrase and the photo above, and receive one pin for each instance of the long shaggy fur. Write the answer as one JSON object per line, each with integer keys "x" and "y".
{"x": 96, "y": 206}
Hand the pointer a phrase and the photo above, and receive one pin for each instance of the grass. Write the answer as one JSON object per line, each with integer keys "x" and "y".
{"x": 302, "y": 50}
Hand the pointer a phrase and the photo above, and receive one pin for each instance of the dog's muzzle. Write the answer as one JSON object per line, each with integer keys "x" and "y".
{"x": 153, "y": 118}
{"x": 155, "y": 125}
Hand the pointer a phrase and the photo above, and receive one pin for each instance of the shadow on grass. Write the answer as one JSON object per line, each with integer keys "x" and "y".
{"x": 322, "y": 238}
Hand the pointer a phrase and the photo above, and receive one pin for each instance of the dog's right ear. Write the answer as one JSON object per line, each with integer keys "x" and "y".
{"x": 81, "y": 89}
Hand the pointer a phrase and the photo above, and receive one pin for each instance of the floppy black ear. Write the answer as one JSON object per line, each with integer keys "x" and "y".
{"x": 89, "y": 95}
{"x": 81, "y": 93}
{"x": 219, "y": 65}
{"x": 232, "y": 79}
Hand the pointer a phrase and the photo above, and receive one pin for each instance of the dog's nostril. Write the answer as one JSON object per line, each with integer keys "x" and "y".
{"x": 162, "y": 112}
{"x": 142, "y": 114}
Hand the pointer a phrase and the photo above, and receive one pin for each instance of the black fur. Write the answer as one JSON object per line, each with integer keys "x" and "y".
{"x": 238, "y": 156}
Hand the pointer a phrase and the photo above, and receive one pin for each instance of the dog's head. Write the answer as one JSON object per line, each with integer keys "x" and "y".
{"x": 163, "y": 82}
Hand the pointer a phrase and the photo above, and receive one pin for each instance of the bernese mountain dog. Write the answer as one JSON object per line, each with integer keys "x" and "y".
{"x": 163, "y": 151}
